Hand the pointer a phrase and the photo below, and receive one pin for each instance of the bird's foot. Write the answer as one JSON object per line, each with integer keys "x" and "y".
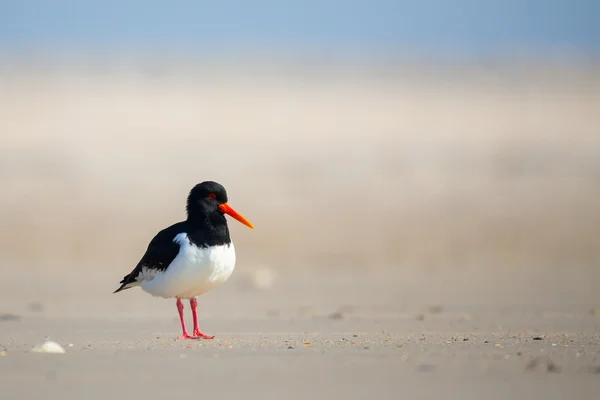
{"x": 188, "y": 336}
{"x": 201, "y": 335}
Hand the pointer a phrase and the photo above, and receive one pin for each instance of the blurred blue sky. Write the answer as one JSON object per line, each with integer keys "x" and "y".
{"x": 428, "y": 26}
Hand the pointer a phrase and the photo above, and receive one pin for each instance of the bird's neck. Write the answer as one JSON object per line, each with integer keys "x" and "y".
{"x": 207, "y": 229}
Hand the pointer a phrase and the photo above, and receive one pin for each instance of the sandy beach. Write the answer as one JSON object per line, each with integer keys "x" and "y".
{"x": 420, "y": 232}
{"x": 299, "y": 357}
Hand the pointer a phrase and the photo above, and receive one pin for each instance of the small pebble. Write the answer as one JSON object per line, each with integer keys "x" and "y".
{"x": 551, "y": 367}
{"x": 9, "y": 317}
{"x": 336, "y": 315}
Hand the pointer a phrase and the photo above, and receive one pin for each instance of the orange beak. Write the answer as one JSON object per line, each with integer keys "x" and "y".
{"x": 226, "y": 208}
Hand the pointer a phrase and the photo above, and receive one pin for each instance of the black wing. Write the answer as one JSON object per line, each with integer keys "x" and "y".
{"x": 159, "y": 254}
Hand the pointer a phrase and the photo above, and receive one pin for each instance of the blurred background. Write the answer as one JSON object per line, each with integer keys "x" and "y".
{"x": 391, "y": 154}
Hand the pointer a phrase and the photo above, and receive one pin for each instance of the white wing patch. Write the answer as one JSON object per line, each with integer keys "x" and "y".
{"x": 147, "y": 274}
{"x": 181, "y": 239}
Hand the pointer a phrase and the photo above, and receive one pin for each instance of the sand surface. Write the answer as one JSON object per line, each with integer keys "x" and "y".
{"x": 416, "y": 229}
{"x": 439, "y": 357}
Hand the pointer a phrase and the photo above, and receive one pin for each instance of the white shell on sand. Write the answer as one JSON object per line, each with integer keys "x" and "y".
{"x": 49, "y": 347}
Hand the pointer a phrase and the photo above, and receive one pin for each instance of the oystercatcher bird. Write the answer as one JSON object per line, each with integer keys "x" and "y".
{"x": 190, "y": 257}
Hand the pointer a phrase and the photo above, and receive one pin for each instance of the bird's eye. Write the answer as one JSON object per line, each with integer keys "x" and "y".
{"x": 212, "y": 195}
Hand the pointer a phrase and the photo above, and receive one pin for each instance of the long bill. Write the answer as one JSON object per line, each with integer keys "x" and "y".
{"x": 226, "y": 208}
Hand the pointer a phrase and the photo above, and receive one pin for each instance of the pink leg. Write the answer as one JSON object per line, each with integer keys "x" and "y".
{"x": 197, "y": 332}
{"x": 185, "y": 334}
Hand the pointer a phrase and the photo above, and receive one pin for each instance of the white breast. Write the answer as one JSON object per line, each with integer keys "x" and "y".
{"x": 194, "y": 271}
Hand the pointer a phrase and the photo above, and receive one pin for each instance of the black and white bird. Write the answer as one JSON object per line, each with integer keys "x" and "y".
{"x": 190, "y": 257}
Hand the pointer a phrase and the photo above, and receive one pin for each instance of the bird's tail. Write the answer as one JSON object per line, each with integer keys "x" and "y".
{"x": 127, "y": 284}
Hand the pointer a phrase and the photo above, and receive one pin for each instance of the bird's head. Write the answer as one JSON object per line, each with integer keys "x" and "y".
{"x": 209, "y": 197}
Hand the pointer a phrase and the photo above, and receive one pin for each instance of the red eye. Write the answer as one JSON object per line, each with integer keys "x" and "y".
{"x": 212, "y": 195}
